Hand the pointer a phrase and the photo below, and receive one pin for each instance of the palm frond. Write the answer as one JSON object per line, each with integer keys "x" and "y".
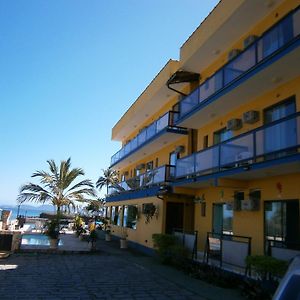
{"x": 82, "y": 183}
{"x": 32, "y": 188}
{"x": 84, "y": 191}
{"x": 70, "y": 177}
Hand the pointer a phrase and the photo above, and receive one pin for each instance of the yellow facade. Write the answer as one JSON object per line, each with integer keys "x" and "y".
{"x": 187, "y": 194}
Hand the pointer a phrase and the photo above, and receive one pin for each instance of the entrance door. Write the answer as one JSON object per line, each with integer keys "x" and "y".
{"x": 217, "y": 218}
{"x": 222, "y": 219}
{"x": 283, "y": 135}
{"x": 172, "y": 161}
{"x": 174, "y": 216}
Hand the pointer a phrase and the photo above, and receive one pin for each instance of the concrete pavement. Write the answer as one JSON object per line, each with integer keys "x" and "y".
{"x": 111, "y": 273}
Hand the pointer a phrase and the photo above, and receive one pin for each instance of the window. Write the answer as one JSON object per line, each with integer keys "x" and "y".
{"x": 282, "y": 223}
{"x": 172, "y": 161}
{"x": 282, "y": 135}
{"x": 275, "y": 38}
{"x": 108, "y": 212}
{"x": 130, "y": 216}
{"x": 136, "y": 172}
{"x": 222, "y": 135}
{"x": 113, "y": 213}
{"x": 119, "y": 211}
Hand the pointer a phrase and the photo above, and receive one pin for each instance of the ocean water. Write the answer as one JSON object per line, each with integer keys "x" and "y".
{"x": 24, "y": 212}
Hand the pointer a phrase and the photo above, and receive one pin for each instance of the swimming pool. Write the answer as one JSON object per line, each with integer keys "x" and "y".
{"x": 36, "y": 240}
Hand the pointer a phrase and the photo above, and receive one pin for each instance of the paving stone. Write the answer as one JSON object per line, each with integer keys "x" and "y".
{"x": 109, "y": 274}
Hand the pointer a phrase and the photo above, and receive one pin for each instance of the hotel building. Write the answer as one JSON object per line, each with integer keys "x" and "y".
{"x": 212, "y": 144}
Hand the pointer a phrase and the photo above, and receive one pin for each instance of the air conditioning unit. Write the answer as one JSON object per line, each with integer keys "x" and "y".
{"x": 250, "y": 204}
{"x": 140, "y": 166}
{"x": 233, "y": 53}
{"x": 179, "y": 149}
{"x": 234, "y": 124}
{"x": 249, "y": 40}
{"x": 251, "y": 116}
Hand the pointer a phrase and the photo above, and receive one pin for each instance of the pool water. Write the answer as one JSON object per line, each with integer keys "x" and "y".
{"x": 36, "y": 240}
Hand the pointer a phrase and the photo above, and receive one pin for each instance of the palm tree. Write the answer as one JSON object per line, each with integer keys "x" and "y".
{"x": 56, "y": 186}
{"x": 109, "y": 178}
{"x": 95, "y": 205}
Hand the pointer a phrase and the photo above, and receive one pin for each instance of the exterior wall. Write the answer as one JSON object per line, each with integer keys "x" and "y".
{"x": 259, "y": 103}
{"x": 143, "y": 232}
{"x": 245, "y": 223}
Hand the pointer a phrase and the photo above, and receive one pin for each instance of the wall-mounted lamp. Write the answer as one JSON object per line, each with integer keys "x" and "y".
{"x": 199, "y": 199}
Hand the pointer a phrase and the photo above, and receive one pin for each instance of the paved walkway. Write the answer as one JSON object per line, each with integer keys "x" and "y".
{"x": 111, "y": 273}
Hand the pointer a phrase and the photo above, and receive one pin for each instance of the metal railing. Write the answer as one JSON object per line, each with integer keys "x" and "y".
{"x": 156, "y": 176}
{"x": 227, "y": 249}
{"x": 188, "y": 239}
{"x": 275, "y": 38}
{"x": 275, "y": 140}
{"x": 166, "y": 121}
{"x": 281, "y": 249}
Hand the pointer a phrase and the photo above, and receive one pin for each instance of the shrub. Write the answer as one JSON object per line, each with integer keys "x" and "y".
{"x": 169, "y": 250}
{"x": 266, "y": 266}
{"x": 78, "y": 225}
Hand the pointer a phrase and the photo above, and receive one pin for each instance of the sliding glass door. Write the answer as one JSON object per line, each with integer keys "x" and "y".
{"x": 282, "y": 136}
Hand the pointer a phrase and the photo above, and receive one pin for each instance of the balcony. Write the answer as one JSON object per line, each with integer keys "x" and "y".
{"x": 148, "y": 179}
{"x": 153, "y": 136}
{"x": 271, "y": 58}
{"x": 268, "y": 143}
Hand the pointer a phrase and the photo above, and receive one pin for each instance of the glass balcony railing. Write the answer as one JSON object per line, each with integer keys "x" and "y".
{"x": 272, "y": 40}
{"x": 275, "y": 140}
{"x": 167, "y": 120}
{"x": 152, "y": 177}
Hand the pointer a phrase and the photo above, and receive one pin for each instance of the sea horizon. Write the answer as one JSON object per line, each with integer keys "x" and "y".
{"x": 28, "y": 211}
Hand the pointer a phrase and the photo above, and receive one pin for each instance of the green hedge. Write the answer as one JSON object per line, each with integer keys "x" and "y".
{"x": 266, "y": 266}
{"x": 169, "y": 250}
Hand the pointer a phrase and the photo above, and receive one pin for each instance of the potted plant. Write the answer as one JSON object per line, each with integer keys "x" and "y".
{"x": 123, "y": 238}
{"x": 106, "y": 228}
{"x": 53, "y": 233}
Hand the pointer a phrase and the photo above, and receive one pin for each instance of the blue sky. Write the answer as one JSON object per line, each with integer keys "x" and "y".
{"x": 71, "y": 68}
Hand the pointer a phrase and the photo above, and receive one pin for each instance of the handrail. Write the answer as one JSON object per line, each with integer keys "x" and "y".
{"x": 220, "y": 82}
{"x": 145, "y": 135}
{"x": 219, "y": 146}
{"x": 292, "y": 116}
{"x": 165, "y": 177}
